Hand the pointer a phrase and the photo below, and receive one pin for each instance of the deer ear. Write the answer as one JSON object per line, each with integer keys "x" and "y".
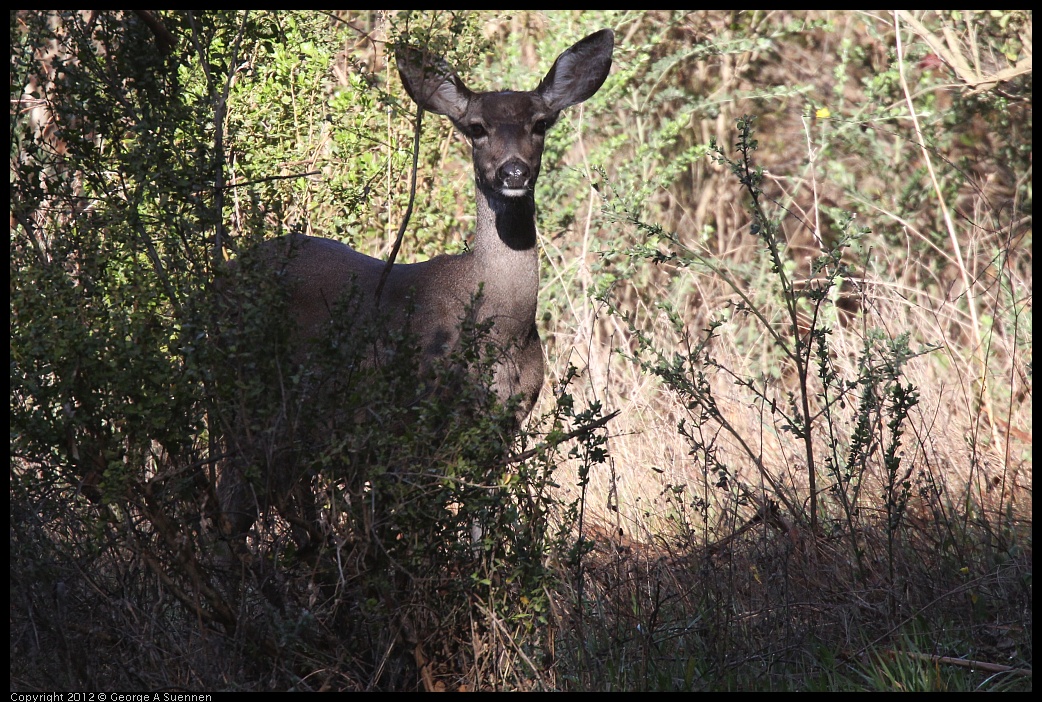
{"x": 431, "y": 82}
{"x": 579, "y": 72}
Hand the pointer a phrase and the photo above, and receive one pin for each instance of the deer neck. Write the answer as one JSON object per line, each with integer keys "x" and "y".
{"x": 505, "y": 250}
{"x": 505, "y": 222}
{"x": 505, "y": 238}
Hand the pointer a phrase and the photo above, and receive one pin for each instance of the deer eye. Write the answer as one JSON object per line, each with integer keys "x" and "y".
{"x": 540, "y": 127}
{"x": 477, "y": 131}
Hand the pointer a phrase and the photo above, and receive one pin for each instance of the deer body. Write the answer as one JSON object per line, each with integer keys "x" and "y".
{"x": 497, "y": 281}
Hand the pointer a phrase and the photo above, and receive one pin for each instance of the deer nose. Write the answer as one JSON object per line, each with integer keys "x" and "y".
{"x": 514, "y": 174}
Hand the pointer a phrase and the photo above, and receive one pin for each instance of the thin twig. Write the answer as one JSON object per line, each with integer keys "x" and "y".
{"x": 967, "y": 278}
{"x": 268, "y": 179}
{"x": 584, "y": 429}
{"x": 408, "y": 210}
{"x": 220, "y": 111}
{"x": 963, "y": 663}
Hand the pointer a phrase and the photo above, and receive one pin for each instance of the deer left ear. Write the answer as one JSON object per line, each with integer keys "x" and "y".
{"x": 579, "y": 72}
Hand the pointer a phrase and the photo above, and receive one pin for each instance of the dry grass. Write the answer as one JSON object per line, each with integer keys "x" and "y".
{"x": 961, "y": 296}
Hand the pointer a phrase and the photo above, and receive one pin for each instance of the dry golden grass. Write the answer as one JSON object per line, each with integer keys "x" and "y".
{"x": 923, "y": 288}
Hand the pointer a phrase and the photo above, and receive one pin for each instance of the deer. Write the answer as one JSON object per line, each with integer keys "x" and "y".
{"x": 495, "y": 282}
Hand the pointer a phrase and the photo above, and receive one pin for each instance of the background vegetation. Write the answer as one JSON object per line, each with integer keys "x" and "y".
{"x": 788, "y": 254}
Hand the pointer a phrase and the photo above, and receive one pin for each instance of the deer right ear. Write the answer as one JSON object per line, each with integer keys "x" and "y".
{"x": 431, "y": 82}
